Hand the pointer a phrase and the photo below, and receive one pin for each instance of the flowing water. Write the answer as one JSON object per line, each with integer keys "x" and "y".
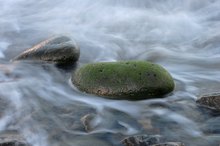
{"x": 38, "y": 100}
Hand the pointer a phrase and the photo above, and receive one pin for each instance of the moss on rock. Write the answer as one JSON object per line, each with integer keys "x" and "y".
{"x": 131, "y": 80}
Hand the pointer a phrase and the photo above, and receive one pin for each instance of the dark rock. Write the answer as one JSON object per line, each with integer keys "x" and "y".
{"x": 141, "y": 140}
{"x": 132, "y": 80}
{"x": 148, "y": 140}
{"x": 59, "y": 50}
{"x": 210, "y": 101}
{"x": 12, "y": 138}
{"x": 169, "y": 144}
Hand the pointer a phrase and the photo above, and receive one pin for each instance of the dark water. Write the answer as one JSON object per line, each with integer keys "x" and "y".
{"x": 39, "y": 102}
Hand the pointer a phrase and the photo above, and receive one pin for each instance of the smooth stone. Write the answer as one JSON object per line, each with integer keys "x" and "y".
{"x": 132, "y": 80}
{"x": 60, "y": 50}
{"x": 141, "y": 140}
{"x": 211, "y": 101}
{"x": 169, "y": 144}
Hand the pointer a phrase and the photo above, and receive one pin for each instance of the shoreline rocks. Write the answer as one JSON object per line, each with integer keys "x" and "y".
{"x": 60, "y": 50}
{"x": 132, "y": 80}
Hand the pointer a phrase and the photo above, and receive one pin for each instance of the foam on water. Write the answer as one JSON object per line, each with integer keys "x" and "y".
{"x": 183, "y": 36}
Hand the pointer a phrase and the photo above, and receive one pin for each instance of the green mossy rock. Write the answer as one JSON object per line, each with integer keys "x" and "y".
{"x": 130, "y": 80}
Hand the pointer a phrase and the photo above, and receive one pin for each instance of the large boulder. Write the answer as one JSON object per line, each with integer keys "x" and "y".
{"x": 130, "y": 80}
{"x": 59, "y": 49}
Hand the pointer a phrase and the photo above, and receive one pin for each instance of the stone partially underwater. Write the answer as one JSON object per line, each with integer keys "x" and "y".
{"x": 12, "y": 138}
{"x": 211, "y": 101}
{"x": 132, "y": 80}
{"x": 60, "y": 50}
{"x": 148, "y": 140}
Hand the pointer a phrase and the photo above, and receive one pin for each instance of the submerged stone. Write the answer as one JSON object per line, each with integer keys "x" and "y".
{"x": 148, "y": 140}
{"x": 210, "y": 101}
{"x": 141, "y": 140}
{"x": 89, "y": 141}
{"x": 12, "y": 138}
{"x": 87, "y": 121}
{"x": 211, "y": 126}
{"x": 169, "y": 144}
{"x": 59, "y": 50}
{"x": 131, "y": 80}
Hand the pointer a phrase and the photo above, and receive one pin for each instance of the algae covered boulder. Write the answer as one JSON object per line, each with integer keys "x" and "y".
{"x": 130, "y": 80}
{"x": 59, "y": 49}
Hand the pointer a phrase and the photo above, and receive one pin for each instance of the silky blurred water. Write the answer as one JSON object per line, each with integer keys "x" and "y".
{"x": 39, "y": 101}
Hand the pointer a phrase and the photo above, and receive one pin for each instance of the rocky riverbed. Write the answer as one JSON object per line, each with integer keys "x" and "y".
{"x": 45, "y": 45}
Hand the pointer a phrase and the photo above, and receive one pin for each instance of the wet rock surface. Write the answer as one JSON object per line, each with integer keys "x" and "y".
{"x": 211, "y": 101}
{"x": 59, "y": 49}
{"x": 12, "y": 138}
{"x": 130, "y": 80}
{"x": 148, "y": 140}
{"x": 170, "y": 144}
{"x": 141, "y": 140}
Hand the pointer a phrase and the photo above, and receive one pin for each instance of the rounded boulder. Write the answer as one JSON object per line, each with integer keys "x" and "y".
{"x": 131, "y": 80}
{"x": 59, "y": 49}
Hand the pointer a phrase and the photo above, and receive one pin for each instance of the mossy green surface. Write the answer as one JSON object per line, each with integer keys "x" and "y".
{"x": 131, "y": 80}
